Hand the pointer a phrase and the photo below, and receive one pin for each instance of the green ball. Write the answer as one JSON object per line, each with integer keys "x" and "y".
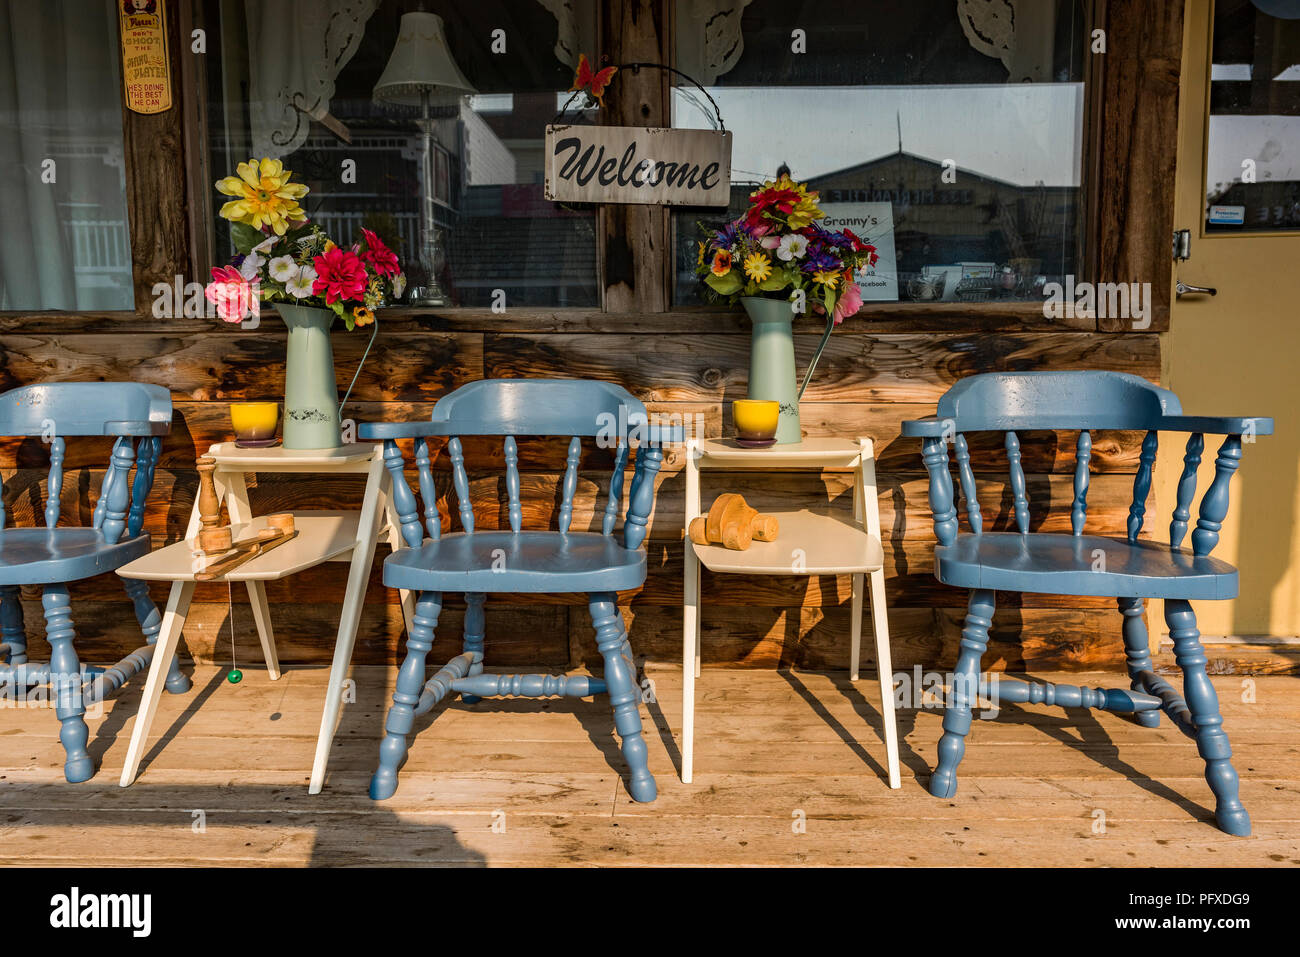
{"x": 235, "y": 676}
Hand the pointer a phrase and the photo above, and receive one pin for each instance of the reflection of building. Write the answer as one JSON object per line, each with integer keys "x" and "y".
{"x": 496, "y": 230}
{"x": 1271, "y": 204}
{"x": 507, "y": 236}
{"x": 975, "y": 218}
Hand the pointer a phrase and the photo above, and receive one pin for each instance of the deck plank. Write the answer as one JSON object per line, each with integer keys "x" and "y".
{"x": 772, "y": 748}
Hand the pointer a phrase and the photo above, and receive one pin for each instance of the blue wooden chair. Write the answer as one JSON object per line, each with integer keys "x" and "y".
{"x": 479, "y": 562}
{"x": 51, "y": 557}
{"x": 1124, "y": 568}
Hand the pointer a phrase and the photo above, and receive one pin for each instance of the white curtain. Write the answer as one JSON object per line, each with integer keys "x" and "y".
{"x": 62, "y": 187}
{"x": 296, "y": 49}
{"x": 709, "y": 42}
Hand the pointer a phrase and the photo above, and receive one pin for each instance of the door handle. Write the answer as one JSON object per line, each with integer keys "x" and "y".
{"x": 1183, "y": 289}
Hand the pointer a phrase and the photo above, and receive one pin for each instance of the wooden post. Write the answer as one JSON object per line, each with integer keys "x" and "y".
{"x": 635, "y": 241}
{"x": 1139, "y": 75}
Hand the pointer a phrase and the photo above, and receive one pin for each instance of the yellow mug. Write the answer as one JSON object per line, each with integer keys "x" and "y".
{"x": 756, "y": 419}
{"x": 254, "y": 423}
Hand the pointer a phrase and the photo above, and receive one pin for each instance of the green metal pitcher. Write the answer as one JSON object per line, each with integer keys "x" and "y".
{"x": 771, "y": 362}
{"x": 311, "y": 395}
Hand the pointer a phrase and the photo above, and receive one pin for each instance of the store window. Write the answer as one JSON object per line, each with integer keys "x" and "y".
{"x": 63, "y": 191}
{"x": 949, "y": 134}
{"x": 1252, "y": 167}
{"x": 458, "y": 196}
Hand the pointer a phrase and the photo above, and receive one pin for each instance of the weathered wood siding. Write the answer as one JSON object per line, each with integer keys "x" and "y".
{"x": 874, "y": 374}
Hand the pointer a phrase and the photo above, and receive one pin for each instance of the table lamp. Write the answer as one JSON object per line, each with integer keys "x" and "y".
{"x": 420, "y": 66}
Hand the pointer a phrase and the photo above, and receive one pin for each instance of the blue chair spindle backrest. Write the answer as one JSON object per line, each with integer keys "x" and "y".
{"x": 1086, "y": 401}
{"x": 127, "y": 410}
{"x": 532, "y": 407}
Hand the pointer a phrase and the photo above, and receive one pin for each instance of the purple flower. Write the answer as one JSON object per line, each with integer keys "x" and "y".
{"x": 819, "y": 259}
{"x": 725, "y": 237}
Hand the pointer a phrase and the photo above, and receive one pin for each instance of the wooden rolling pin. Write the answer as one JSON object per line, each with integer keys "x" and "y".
{"x": 732, "y": 524}
{"x": 280, "y": 530}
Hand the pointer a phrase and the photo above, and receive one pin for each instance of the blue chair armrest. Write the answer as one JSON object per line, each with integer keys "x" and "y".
{"x": 931, "y": 426}
{"x": 1219, "y": 425}
{"x": 400, "y": 430}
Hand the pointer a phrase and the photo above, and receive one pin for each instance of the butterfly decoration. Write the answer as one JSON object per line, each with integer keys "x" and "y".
{"x": 592, "y": 83}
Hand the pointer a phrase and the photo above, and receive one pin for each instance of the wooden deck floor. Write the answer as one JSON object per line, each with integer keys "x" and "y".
{"x": 225, "y": 782}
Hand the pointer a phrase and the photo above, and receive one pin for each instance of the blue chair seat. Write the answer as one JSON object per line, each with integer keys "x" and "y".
{"x": 517, "y": 562}
{"x": 1082, "y": 565}
{"x": 41, "y": 556}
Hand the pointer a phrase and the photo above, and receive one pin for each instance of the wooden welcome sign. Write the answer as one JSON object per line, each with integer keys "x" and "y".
{"x": 630, "y": 164}
{"x": 146, "y": 70}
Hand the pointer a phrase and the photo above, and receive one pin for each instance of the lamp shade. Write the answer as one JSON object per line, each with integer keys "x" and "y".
{"x": 420, "y": 63}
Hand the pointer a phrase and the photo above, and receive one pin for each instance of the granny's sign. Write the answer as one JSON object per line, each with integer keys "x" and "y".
{"x": 629, "y": 164}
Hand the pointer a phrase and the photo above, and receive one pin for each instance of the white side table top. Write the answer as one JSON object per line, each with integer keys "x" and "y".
{"x": 229, "y": 456}
{"x": 811, "y": 542}
{"x": 322, "y": 536}
{"x": 824, "y": 452}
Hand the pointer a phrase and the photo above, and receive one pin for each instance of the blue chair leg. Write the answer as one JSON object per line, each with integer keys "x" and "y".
{"x": 1137, "y": 652}
{"x": 146, "y": 613}
{"x": 1211, "y": 740}
{"x": 65, "y": 684}
{"x": 410, "y": 684}
{"x": 474, "y": 630}
{"x": 965, "y": 691}
{"x": 12, "y": 631}
{"x": 620, "y": 680}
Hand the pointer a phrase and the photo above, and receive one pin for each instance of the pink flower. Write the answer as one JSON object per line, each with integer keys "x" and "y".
{"x": 770, "y": 241}
{"x": 339, "y": 275}
{"x": 234, "y": 296}
{"x": 378, "y": 256}
{"x": 849, "y": 303}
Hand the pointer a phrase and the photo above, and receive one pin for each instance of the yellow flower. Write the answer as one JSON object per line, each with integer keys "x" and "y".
{"x": 264, "y": 195}
{"x": 827, "y": 277}
{"x": 330, "y": 246}
{"x": 362, "y": 316}
{"x": 699, "y": 259}
{"x": 721, "y": 262}
{"x": 757, "y": 266}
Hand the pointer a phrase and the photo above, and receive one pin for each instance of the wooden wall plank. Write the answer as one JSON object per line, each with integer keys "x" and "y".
{"x": 1135, "y": 209}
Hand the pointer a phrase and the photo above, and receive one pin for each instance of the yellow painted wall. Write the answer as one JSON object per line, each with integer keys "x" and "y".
{"x": 1237, "y": 354}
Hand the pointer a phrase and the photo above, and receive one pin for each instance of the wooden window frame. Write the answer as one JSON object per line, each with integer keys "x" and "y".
{"x": 1130, "y": 109}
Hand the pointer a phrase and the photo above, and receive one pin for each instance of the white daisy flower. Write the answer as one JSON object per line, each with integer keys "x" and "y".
{"x": 792, "y": 246}
{"x": 299, "y": 285}
{"x": 283, "y": 268}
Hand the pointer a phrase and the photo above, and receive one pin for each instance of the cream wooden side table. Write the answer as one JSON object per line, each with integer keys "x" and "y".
{"x": 323, "y": 536}
{"x": 811, "y": 542}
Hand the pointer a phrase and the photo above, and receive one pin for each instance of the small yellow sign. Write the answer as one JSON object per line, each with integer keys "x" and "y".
{"x": 146, "y": 69}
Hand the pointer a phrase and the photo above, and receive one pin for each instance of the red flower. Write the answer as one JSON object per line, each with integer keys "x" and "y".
{"x": 378, "y": 256}
{"x": 339, "y": 275}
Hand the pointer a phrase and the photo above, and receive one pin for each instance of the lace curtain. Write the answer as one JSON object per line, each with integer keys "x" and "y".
{"x": 708, "y": 35}
{"x": 1017, "y": 32}
{"x": 296, "y": 49}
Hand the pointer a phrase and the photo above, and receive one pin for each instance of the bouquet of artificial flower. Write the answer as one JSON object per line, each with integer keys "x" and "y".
{"x": 777, "y": 248}
{"x": 284, "y": 258}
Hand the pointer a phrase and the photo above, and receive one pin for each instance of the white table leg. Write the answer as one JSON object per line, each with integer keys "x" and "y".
{"x": 241, "y": 512}
{"x": 855, "y": 629}
{"x": 363, "y": 555}
{"x": 178, "y": 606}
{"x": 690, "y": 644}
{"x": 262, "y": 618}
{"x": 885, "y": 665}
